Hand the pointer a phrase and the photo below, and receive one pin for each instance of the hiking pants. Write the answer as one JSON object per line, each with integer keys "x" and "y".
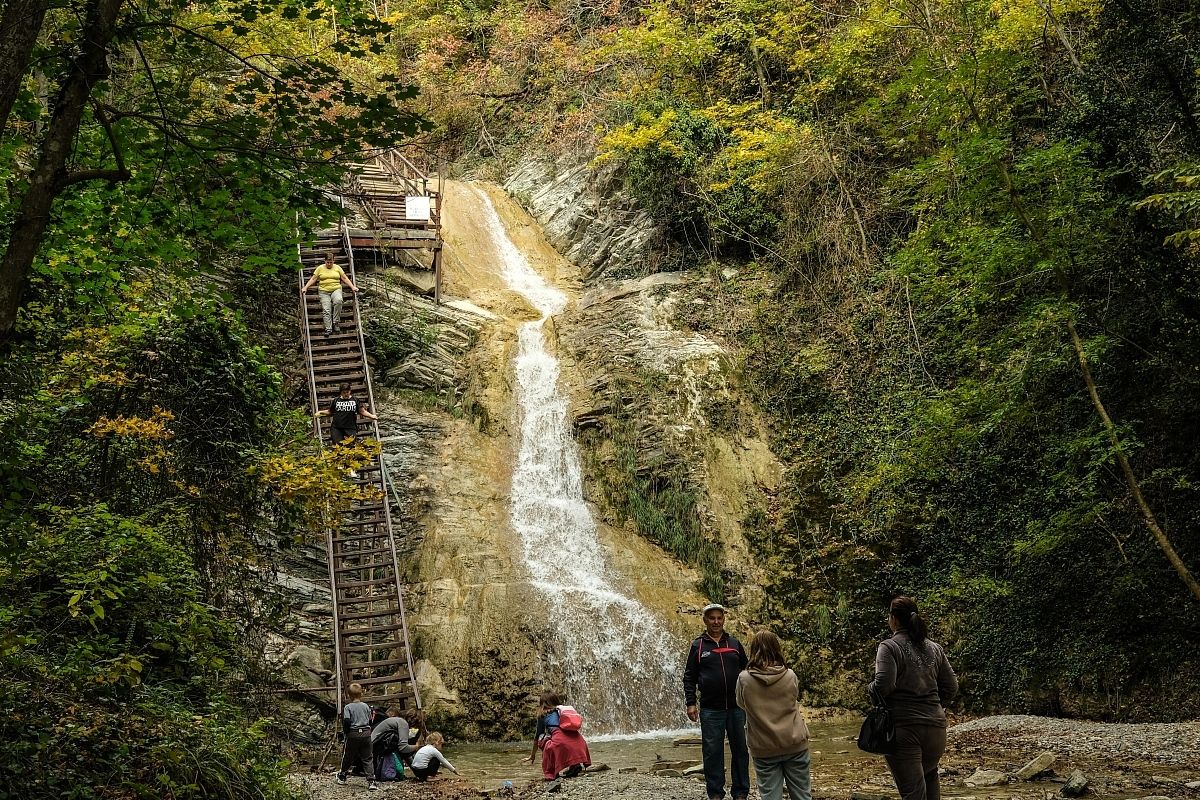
{"x": 793, "y": 770}
{"x": 358, "y": 753}
{"x": 331, "y": 307}
{"x": 914, "y": 765}
{"x": 715, "y": 725}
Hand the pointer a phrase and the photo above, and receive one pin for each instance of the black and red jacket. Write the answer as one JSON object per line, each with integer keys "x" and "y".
{"x": 714, "y": 668}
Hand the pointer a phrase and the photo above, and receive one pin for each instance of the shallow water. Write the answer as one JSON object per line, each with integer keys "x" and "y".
{"x": 489, "y": 764}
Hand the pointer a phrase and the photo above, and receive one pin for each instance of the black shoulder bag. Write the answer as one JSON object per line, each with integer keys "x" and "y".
{"x": 878, "y": 732}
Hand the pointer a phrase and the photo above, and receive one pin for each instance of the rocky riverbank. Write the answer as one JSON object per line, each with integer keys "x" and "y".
{"x": 987, "y": 759}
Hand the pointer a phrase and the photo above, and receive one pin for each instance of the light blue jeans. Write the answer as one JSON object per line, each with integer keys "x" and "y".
{"x": 774, "y": 772}
{"x": 331, "y": 307}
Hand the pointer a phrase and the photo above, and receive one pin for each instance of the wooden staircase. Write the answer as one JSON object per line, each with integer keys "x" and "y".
{"x": 381, "y": 189}
{"x": 371, "y": 644}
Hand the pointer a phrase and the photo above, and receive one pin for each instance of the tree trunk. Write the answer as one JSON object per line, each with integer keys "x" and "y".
{"x": 49, "y": 176}
{"x": 20, "y": 25}
{"x": 1110, "y": 428}
{"x": 1135, "y": 488}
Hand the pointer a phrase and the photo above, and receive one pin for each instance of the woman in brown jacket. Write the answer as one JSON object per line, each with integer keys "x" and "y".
{"x": 775, "y": 728}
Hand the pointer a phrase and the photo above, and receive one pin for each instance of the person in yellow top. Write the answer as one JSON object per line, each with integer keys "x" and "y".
{"x": 329, "y": 278}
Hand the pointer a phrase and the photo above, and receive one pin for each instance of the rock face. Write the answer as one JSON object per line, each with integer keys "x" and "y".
{"x": 668, "y": 399}
{"x": 585, "y": 215}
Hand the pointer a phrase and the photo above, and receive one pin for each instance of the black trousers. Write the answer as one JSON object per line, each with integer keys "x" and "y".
{"x": 424, "y": 773}
{"x": 358, "y": 753}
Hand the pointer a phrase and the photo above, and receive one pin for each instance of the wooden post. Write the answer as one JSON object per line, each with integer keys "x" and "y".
{"x": 437, "y": 273}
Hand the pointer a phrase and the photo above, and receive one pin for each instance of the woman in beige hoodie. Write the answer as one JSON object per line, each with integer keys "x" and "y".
{"x": 775, "y": 728}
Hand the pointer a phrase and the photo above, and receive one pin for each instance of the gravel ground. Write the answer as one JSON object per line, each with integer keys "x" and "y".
{"x": 1170, "y": 744}
{"x": 1121, "y": 762}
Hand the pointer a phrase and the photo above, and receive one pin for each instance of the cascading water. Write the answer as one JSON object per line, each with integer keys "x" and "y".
{"x": 620, "y": 666}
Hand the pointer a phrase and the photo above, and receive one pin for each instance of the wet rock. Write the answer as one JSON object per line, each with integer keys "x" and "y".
{"x": 986, "y": 777}
{"x": 1076, "y": 784}
{"x": 584, "y": 213}
{"x": 1038, "y": 765}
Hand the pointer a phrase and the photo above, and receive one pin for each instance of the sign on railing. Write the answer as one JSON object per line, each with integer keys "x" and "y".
{"x": 416, "y": 207}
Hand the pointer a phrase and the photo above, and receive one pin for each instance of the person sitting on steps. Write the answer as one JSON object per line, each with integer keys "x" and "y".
{"x": 344, "y": 411}
{"x": 329, "y": 278}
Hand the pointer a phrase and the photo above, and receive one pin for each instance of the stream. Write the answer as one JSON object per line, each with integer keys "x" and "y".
{"x": 490, "y": 764}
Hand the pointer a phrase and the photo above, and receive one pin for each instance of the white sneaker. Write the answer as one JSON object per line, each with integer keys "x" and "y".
{"x": 340, "y": 778}
{"x": 372, "y": 786}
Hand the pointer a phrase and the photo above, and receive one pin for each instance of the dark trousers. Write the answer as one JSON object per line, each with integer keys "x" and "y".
{"x": 358, "y": 753}
{"x": 914, "y": 765}
{"x": 715, "y": 725}
{"x": 425, "y": 773}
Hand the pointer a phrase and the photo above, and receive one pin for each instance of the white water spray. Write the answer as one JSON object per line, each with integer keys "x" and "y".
{"x": 620, "y": 666}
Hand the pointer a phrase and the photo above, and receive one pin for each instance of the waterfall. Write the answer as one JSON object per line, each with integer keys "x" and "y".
{"x": 620, "y": 666}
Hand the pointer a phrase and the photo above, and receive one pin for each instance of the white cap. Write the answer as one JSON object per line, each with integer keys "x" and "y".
{"x": 712, "y": 607}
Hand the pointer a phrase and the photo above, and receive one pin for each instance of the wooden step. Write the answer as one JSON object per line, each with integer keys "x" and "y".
{"x": 392, "y": 662}
{"x": 363, "y": 584}
{"x": 352, "y": 616}
{"x": 399, "y": 697}
{"x": 347, "y": 632}
{"x": 344, "y": 570}
{"x": 383, "y": 679}
{"x": 360, "y": 553}
{"x": 385, "y": 646}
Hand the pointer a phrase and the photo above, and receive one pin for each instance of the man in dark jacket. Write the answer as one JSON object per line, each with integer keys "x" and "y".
{"x": 713, "y": 665}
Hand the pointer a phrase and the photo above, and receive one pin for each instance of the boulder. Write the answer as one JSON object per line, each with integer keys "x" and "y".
{"x": 1037, "y": 766}
{"x": 1076, "y": 784}
{"x": 986, "y": 777}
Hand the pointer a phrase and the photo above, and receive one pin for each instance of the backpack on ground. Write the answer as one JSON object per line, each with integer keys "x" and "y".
{"x": 569, "y": 719}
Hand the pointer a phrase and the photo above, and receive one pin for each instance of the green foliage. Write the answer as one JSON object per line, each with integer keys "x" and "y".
{"x": 128, "y": 541}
